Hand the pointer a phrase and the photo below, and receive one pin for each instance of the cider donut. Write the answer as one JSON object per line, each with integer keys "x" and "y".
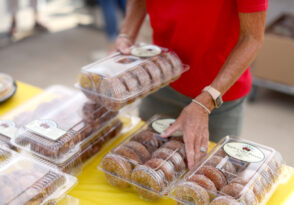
{"x": 117, "y": 166}
{"x": 191, "y": 191}
{"x": 174, "y": 157}
{"x": 148, "y": 139}
{"x": 128, "y": 153}
{"x": 176, "y": 145}
{"x": 203, "y": 181}
{"x": 225, "y": 200}
{"x": 227, "y": 166}
{"x": 154, "y": 73}
{"x": 237, "y": 190}
{"x": 165, "y": 68}
{"x": 146, "y": 179}
{"x": 175, "y": 62}
{"x": 166, "y": 167}
{"x": 215, "y": 175}
{"x": 139, "y": 149}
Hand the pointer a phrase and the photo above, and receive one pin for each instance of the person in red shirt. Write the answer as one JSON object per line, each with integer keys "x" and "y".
{"x": 218, "y": 39}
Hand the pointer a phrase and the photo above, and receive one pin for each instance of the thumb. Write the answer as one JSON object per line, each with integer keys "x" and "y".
{"x": 173, "y": 128}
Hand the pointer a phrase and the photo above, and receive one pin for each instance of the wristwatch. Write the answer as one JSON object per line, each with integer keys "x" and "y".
{"x": 215, "y": 94}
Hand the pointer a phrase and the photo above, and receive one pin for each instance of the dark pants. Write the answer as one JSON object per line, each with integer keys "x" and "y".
{"x": 226, "y": 120}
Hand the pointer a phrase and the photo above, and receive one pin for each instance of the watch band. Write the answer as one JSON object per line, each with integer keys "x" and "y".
{"x": 215, "y": 94}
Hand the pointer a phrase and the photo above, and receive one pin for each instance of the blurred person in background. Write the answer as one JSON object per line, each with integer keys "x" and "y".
{"x": 13, "y": 8}
{"x": 218, "y": 40}
{"x": 109, "y": 10}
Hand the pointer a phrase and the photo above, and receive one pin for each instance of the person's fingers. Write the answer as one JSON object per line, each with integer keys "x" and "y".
{"x": 123, "y": 45}
{"x": 204, "y": 143}
{"x": 197, "y": 141}
{"x": 173, "y": 128}
{"x": 189, "y": 146}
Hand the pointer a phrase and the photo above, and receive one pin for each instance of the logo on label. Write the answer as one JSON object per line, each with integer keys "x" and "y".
{"x": 7, "y": 128}
{"x": 146, "y": 51}
{"x": 243, "y": 151}
{"x": 46, "y": 128}
{"x": 161, "y": 125}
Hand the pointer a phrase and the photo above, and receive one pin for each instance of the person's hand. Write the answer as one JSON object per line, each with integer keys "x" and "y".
{"x": 193, "y": 122}
{"x": 123, "y": 44}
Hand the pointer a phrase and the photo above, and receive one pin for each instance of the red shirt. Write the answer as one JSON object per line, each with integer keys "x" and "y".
{"x": 202, "y": 33}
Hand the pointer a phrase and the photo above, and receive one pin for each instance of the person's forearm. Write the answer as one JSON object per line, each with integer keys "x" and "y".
{"x": 242, "y": 55}
{"x": 135, "y": 14}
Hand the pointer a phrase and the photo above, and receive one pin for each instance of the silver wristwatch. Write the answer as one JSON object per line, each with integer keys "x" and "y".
{"x": 215, "y": 94}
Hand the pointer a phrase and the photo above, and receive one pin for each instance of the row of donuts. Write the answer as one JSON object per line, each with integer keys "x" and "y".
{"x": 146, "y": 77}
{"x": 228, "y": 184}
{"x": 147, "y": 161}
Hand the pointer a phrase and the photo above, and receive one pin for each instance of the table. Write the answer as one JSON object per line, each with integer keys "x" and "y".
{"x": 93, "y": 187}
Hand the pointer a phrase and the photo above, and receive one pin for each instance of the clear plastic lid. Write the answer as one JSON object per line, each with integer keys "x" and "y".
{"x": 26, "y": 181}
{"x": 88, "y": 148}
{"x": 32, "y": 109}
{"x": 236, "y": 171}
{"x": 146, "y": 161}
{"x": 119, "y": 79}
{"x": 55, "y": 134}
{"x": 6, "y": 86}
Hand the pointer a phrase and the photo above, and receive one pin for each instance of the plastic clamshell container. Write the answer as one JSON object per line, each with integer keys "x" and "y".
{"x": 7, "y": 86}
{"x": 235, "y": 172}
{"x": 54, "y": 136}
{"x": 34, "y": 108}
{"x": 27, "y": 181}
{"x": 87, "y": 148}
{"x": 119, "y": 79}
{"x": 145, "y": 161}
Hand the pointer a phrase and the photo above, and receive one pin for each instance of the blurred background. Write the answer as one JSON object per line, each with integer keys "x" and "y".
{"x": 48, "y": 42}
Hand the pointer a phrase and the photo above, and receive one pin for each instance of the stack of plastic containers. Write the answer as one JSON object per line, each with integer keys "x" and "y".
{"x": 236, "y": 171}
{"x": 32, "y": 109}
{"x": 27, "y": 181}
{"x": 63, "y": 128}
{"x": 119, "y": 79}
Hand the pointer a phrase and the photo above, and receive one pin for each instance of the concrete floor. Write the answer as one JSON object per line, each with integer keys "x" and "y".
{"x": 56, "y": 58}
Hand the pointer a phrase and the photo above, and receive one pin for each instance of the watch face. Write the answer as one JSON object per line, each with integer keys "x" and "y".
{"x": 218, "y": 102}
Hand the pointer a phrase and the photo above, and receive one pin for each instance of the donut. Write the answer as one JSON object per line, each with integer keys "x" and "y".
{"x": 175, "y": 62}
{"x": 191, "y": 193}
{"x": 215, "y": 175}
{"x": 165, "y": 166}
{"x": 226, "y": 165}
{"x": 220, "y": 153}
{"x": 147, "y": 178}
{"x": 174, "y": 157}
{"x": 224, "y": 200}
{"x": 154, "y": 73}
{"x": 85, "y": 81}
{"x": 130, "y": 82}
{"x": 165, "y": 68}
{"x": 129, "y": 153}
{"x": 203, "y": 181}
{"x": 142, "y": 77}
{"x": 115, "y": 167}
{"x": 113, "y": 93}
{"x": 237, "y": 191}
{"x": 266, "y": 180}
{"x": 139, "y": 149}
{"x": 177, "y": 146}
{"x": 148, "y": 139}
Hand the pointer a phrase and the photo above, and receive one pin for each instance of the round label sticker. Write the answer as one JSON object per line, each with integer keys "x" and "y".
{"x": 6, "y": 124}
{"x": 146, "y": 51}
{"x": 161, "y": 125}
{"x": 243, "y": 151}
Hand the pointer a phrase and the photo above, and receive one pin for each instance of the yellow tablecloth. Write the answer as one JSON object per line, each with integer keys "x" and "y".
{"x": 93, "y": 187}
{"x": 23, "y": 93}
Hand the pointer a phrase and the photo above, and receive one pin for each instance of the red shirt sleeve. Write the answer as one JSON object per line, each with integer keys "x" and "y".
{"x": 249, "y": 6}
